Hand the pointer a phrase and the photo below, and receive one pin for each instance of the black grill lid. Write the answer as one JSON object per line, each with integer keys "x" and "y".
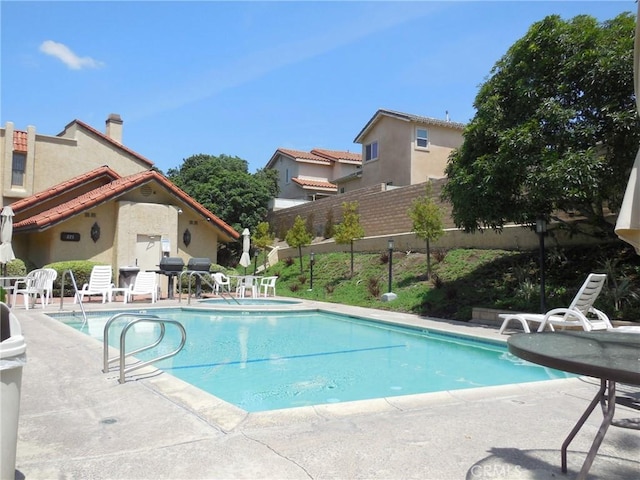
{"x": 199, "y": 264}
{"x": 171, "y": 264}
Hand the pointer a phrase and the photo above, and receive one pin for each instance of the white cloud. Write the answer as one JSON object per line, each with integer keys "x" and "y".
{"x": 67, "y": 56}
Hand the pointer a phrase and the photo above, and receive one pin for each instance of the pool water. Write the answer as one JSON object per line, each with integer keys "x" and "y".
{"x": 248, "y": 301}
{"x": 272, "y": 360}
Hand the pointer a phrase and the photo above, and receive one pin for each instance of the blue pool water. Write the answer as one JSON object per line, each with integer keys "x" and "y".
{"x": 248, "y": 301}
{"x": 271, "y": 360}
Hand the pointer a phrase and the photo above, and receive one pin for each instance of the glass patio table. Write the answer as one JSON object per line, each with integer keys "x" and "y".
{"x": 607, "y": 355}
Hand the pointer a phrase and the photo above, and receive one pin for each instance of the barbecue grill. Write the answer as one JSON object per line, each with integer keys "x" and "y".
{"x": 198, "y": 264}
{"x": 171, "y": 267}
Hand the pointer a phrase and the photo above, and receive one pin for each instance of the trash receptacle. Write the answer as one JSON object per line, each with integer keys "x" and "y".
{"x": 12, "y": 358}
{"x": 127, "y": 276}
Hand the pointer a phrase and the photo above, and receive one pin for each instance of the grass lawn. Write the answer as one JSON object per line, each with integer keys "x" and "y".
{"x": 466, "y": 278}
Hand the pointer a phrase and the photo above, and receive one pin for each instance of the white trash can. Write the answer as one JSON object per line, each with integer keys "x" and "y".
{"x": 12, "y": 358}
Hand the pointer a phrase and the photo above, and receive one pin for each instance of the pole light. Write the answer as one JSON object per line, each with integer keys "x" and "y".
{"x": 541, "y": 230}
{"x": 255, "y": 261}
{"x": 311, "y": 262}
{"x": 390, "y": 295}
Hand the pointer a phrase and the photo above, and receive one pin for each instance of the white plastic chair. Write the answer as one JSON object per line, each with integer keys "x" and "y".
{"x": 220, "y": 283}
{"x": 145, "y": 284}
{"x": 580, "y": 313}
{"x": 99, "y": 284}
{"x": 247, "y": 282}
{"x": 37, "y": 282}
{"x": 266, "y": 284}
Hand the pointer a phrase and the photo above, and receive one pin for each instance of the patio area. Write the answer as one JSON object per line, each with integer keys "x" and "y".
{"x": 77, "y": 422}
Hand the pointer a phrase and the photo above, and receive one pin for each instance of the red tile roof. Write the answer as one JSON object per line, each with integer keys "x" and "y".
{"x": 314, "y": 183}
{"x": 108, "y": 192}
{"x": 19, "y": 141}
{"x": 337, "y": 155}
{"x": 108, "y": 139}
{"x": 104, "y": 171}
{"x": 300, "y": 155}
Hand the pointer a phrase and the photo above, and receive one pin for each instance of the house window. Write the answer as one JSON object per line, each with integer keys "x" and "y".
{"x": 18, "y": 168}
{"x": 371, "y": 151}
{"x": 287, "y": 176}
{"x": 422, "y": 138}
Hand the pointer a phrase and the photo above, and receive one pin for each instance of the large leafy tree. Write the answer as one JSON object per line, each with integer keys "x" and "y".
{"x": 224, "y": 185}
{"x": 555, "y": 130}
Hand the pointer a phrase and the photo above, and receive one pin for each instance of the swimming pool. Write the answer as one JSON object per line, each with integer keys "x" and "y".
{"x": 262, "y": 361}
{"x": 248, "y": 301}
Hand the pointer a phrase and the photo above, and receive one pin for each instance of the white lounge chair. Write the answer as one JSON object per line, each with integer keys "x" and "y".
{"x": 99, "y": 284}
{"x": 37, "y": 282}
{"x": 266, "y": 284}
{"x": 580, "y": 312}
{"x": 145, "y": 284}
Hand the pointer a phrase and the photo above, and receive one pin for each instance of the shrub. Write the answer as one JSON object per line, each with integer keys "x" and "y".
{"x": 289, "y": 261}
{"x": 373, "y": 286}
{"x": 16, "y": 268}
{"x": 329, "y": 288}
{"x": 384, "y": 258}
{"x": 439, "y": 254}
{"x": 302, "y": 279}
{"x": 437, "y": 281}
{"x": 294, "y": 287}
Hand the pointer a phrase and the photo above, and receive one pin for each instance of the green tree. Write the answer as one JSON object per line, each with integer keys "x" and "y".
{"x": 555, "y": 130}
{"x": 298, "y": 236}
{"x": 426, "y": 217}
{"x": 224, "y": 186}
{"x": 262, "y": 238}
{"x": 349, "y": 229}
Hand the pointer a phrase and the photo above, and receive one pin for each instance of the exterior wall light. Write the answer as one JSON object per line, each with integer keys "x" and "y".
{"x": 186, "y": 237}
{"x": 95, "y": 232}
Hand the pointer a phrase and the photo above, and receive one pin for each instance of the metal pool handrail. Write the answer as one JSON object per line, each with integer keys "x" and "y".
{"x": 105, "y": 337}
{"x": 76, "y": 296}
{"x": 162, "y": 322}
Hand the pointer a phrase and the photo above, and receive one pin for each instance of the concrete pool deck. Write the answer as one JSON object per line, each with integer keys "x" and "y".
{"x": 77, "y": 422}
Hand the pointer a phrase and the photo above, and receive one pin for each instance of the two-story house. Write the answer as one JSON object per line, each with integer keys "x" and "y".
{"x": 83, "y": 195}
{"x": 400, "y": 149}
{"x": 307, "y": 176}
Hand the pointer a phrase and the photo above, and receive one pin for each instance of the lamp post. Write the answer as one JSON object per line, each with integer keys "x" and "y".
{"x": 541, "y": 230}
{"x": 311, "y": 262}
{"x": 390, "y": 295}
{"x": 255, "y": 260}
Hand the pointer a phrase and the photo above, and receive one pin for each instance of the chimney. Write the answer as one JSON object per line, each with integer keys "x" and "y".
{"x": 114, "y": 127}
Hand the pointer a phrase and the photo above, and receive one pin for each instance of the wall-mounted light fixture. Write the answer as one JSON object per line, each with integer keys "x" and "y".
{"x": 95, "y": 232}
{"x": 186, "y": 237}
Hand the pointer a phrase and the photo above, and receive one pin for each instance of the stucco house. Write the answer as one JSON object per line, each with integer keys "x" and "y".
{"x": 307, "y": 176}
{"x": 83, "y": 195}
{"x": 400, "y": 149}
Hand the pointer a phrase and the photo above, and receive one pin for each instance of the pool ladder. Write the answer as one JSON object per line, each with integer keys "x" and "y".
{"x": 137, "y": 318}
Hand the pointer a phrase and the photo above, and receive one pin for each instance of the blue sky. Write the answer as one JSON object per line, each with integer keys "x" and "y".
{"x": 245, "y": 78}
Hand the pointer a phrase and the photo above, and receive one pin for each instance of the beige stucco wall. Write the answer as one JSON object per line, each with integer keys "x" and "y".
{"x": 52, "y": 160}
{"x": 394, "y": 139}
{"x": 430, "y": 163}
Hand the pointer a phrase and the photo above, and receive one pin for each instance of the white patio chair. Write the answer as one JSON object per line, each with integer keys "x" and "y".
{"x": 247, "y": 283}
{"x": 37, "y": 282}
{"x": 580, "y": 313}
{"x": 99, "y": 284}
{"x": 221, "y": 283}
{"x": 145, "y": 284}
{"x": 266, "y": 284}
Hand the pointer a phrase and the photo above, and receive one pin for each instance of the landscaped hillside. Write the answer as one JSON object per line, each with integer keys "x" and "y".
{"x": 464, "y": 279}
